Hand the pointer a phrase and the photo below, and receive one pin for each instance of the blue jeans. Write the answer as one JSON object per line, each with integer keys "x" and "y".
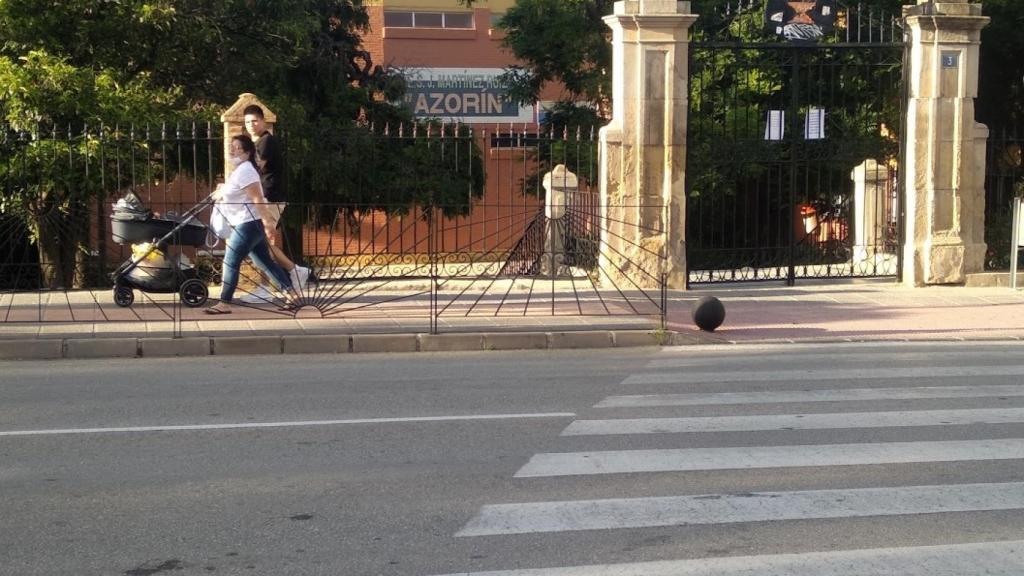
{"x": 249, "y": 239}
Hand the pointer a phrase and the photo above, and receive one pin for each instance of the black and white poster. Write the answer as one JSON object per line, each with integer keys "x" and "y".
{"x": 805, "y": 21}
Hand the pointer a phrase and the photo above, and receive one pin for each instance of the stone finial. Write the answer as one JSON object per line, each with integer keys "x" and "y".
{"x": 561, "y": 177}
{"x": 557, "y": 183}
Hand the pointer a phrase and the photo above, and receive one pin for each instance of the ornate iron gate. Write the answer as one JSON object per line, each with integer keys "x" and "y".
{"x": 779, "y": 123}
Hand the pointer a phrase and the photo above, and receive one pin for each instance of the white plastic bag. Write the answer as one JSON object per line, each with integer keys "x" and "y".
{"x": 219, "y": 223}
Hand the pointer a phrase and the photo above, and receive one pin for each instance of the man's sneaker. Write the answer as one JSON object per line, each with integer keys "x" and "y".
{"x": 261, "y": 295}
{"x": 300, "y": 276}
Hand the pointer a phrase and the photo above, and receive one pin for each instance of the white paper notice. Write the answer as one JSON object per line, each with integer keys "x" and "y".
{"x": 776, "y": 127}
{"x": 814, "y": 124}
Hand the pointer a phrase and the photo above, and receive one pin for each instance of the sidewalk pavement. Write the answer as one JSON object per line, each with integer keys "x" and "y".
{"x": 812, "y": 311}
{"x": 859, "y": 310}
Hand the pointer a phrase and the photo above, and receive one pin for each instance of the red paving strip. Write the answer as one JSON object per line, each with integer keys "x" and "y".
{"x": 889, "y": 313}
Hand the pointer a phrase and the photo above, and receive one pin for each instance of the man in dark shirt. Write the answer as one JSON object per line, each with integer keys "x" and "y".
{"x": 270, "y": 160}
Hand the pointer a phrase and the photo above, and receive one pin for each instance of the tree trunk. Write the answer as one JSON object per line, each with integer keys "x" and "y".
{"x": 81, "y": 260}
{"x": 51, "y": 255}
{"x": 61, "y": 239}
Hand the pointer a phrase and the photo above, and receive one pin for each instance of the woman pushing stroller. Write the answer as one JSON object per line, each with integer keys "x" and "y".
{"x": 240, "y": 199}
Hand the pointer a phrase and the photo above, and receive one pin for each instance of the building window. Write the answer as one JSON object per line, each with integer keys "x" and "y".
{"x": 404, "y": 19}
{"x": 458, "y": 20}
{"x": 398, "y": 19}
{"x": 427, "y": 20}
{"x": 515, "y": 139}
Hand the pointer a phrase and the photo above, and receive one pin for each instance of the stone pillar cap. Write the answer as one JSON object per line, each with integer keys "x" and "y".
{"x": 871, "y": 169}
{"x": 650, "y": 7}
{"x": 560, "y": 178}
{"x": 943, "y": 8}
{"x": 236, "y": 113}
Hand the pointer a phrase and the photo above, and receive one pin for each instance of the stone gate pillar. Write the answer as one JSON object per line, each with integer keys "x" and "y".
{"x": 945, "y": 166}
{"x": 870, "y": 218}
{"x": 643, "y": 148}
{"x": 560, "y": 184}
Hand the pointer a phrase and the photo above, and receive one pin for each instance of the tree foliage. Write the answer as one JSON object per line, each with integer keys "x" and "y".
{"x": 70, "y": 66}
{"x": 560, "y": 41}
{"x": 565, "y": 42}
{"x": 1001, "y": 83}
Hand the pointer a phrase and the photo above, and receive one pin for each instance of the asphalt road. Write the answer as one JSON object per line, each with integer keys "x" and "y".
{"x": 791, "y": 460}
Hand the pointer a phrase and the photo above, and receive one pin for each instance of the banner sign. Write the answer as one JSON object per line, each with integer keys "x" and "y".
{"x": 800, "y": 21}
{"x": 470, "y": 95}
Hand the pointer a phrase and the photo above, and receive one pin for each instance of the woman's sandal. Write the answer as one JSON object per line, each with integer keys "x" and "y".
{"x": 214, "y": 311}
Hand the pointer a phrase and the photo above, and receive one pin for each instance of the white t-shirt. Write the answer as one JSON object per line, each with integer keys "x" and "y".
{"x": 235, "y": 203}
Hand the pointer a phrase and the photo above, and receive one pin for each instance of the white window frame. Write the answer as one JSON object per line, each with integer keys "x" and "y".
{"x": 444, "y": 19}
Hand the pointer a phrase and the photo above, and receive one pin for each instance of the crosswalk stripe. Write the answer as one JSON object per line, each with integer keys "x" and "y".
{"x": 751, "y": 457}
{"x": 828, "y": 374}
{"x": 767, "y": 359}
{"x": 990, "y": 558}
{"x": 534, "y": 517}
{"x": 786, "y": 396}
{"x": 794, "y": 422}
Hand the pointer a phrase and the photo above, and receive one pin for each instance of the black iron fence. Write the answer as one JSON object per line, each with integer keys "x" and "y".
{"x": 404, "y": 222}
{"x": 56, "y": 184}
{"x": 1004, "y": 180}
{"x": 778, "y": 125}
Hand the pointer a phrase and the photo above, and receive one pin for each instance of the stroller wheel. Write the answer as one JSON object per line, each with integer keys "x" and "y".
{"x": 123, "y": 296}
{"x": 194, "y": 293}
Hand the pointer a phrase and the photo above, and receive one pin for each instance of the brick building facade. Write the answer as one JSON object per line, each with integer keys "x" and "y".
{"x": 451, "y": 56}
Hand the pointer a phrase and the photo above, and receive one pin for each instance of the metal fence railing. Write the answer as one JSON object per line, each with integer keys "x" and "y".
{"x": 423, "y": 222}
{"x": 1004, "y": 180}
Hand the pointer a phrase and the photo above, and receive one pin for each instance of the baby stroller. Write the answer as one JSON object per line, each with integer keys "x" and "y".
{"x": 150, "y": 268}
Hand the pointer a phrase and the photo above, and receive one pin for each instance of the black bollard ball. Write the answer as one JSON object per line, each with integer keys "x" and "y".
{"x": 708, "y": 313}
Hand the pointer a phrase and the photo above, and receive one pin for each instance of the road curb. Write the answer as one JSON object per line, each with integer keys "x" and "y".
{"x": 319, "y": 344}
{"x": 92, "y": 348}
{"x": 450, "y": 342}
{"x": 637, "y": 338}
{"x": 383, "y": 343}
{"x": 83, "y": 348}
{"x": 576, "y": 340}
{"x": 31, "y": 349}
{"x": 515, "y": 340}
{"x": 174, "y": 347}
{"x": 246, "y": 345}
